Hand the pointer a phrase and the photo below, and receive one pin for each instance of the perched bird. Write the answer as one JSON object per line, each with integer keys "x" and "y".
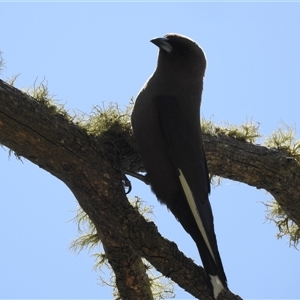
{"x": 166, "y": 126}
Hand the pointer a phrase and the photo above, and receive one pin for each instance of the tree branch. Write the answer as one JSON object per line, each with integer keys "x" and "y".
{"x": 264, "y": 168}
{"x": 88, "y": 167}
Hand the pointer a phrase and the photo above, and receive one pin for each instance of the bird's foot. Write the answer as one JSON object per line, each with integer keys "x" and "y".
{"x": 126, "y": 184}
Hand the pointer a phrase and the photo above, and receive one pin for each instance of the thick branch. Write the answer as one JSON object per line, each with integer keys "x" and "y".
{"x": 80, "y": 161}
{"x": 131, "y": 277}
{"x": 261, "y": 167}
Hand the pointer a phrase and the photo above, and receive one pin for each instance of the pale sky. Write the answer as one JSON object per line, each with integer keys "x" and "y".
{"x": 95, "y": 53}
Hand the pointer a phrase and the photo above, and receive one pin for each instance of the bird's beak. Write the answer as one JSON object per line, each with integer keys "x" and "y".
{"x": 163, "y": 43}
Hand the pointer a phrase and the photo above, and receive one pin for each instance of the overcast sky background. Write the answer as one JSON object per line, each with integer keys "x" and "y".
{"x": 90, "y": 53}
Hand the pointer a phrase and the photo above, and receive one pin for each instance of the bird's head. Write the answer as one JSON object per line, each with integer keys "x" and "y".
{"x": 180, "y": 55}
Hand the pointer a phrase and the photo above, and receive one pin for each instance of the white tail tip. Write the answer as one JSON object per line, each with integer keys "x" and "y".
{"x": 217, "y": 285}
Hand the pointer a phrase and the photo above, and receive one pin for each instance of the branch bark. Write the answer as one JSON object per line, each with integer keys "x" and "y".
{"x": 85, "y": 164}
{"x": 264, "y": 168}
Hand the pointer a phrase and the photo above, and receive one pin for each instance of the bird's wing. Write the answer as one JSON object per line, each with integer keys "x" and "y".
{"x": 184, "y": 145}
{"x": 183, "y": 140}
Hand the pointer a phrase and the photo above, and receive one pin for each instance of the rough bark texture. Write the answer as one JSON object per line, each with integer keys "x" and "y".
{"x": 261, "y": 167}
{"x": 86, "y": 165}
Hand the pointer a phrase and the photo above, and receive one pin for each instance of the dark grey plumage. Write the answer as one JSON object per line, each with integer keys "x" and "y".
{"x": 166, "y": 125}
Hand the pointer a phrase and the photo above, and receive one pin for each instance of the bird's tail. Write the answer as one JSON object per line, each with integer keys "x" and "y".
{"x": 204, "y": 236}
{"x": 213, "y": 267}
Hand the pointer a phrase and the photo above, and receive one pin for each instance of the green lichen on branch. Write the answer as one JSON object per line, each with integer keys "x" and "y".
{"x": 41, "y": 93}
{"x": 108, "y": 119}
{"x": 284, "y": 139}
{"x": 112, "y": 127}
{"x": 247, "y": 132}
{"x": 286, "y": 227}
